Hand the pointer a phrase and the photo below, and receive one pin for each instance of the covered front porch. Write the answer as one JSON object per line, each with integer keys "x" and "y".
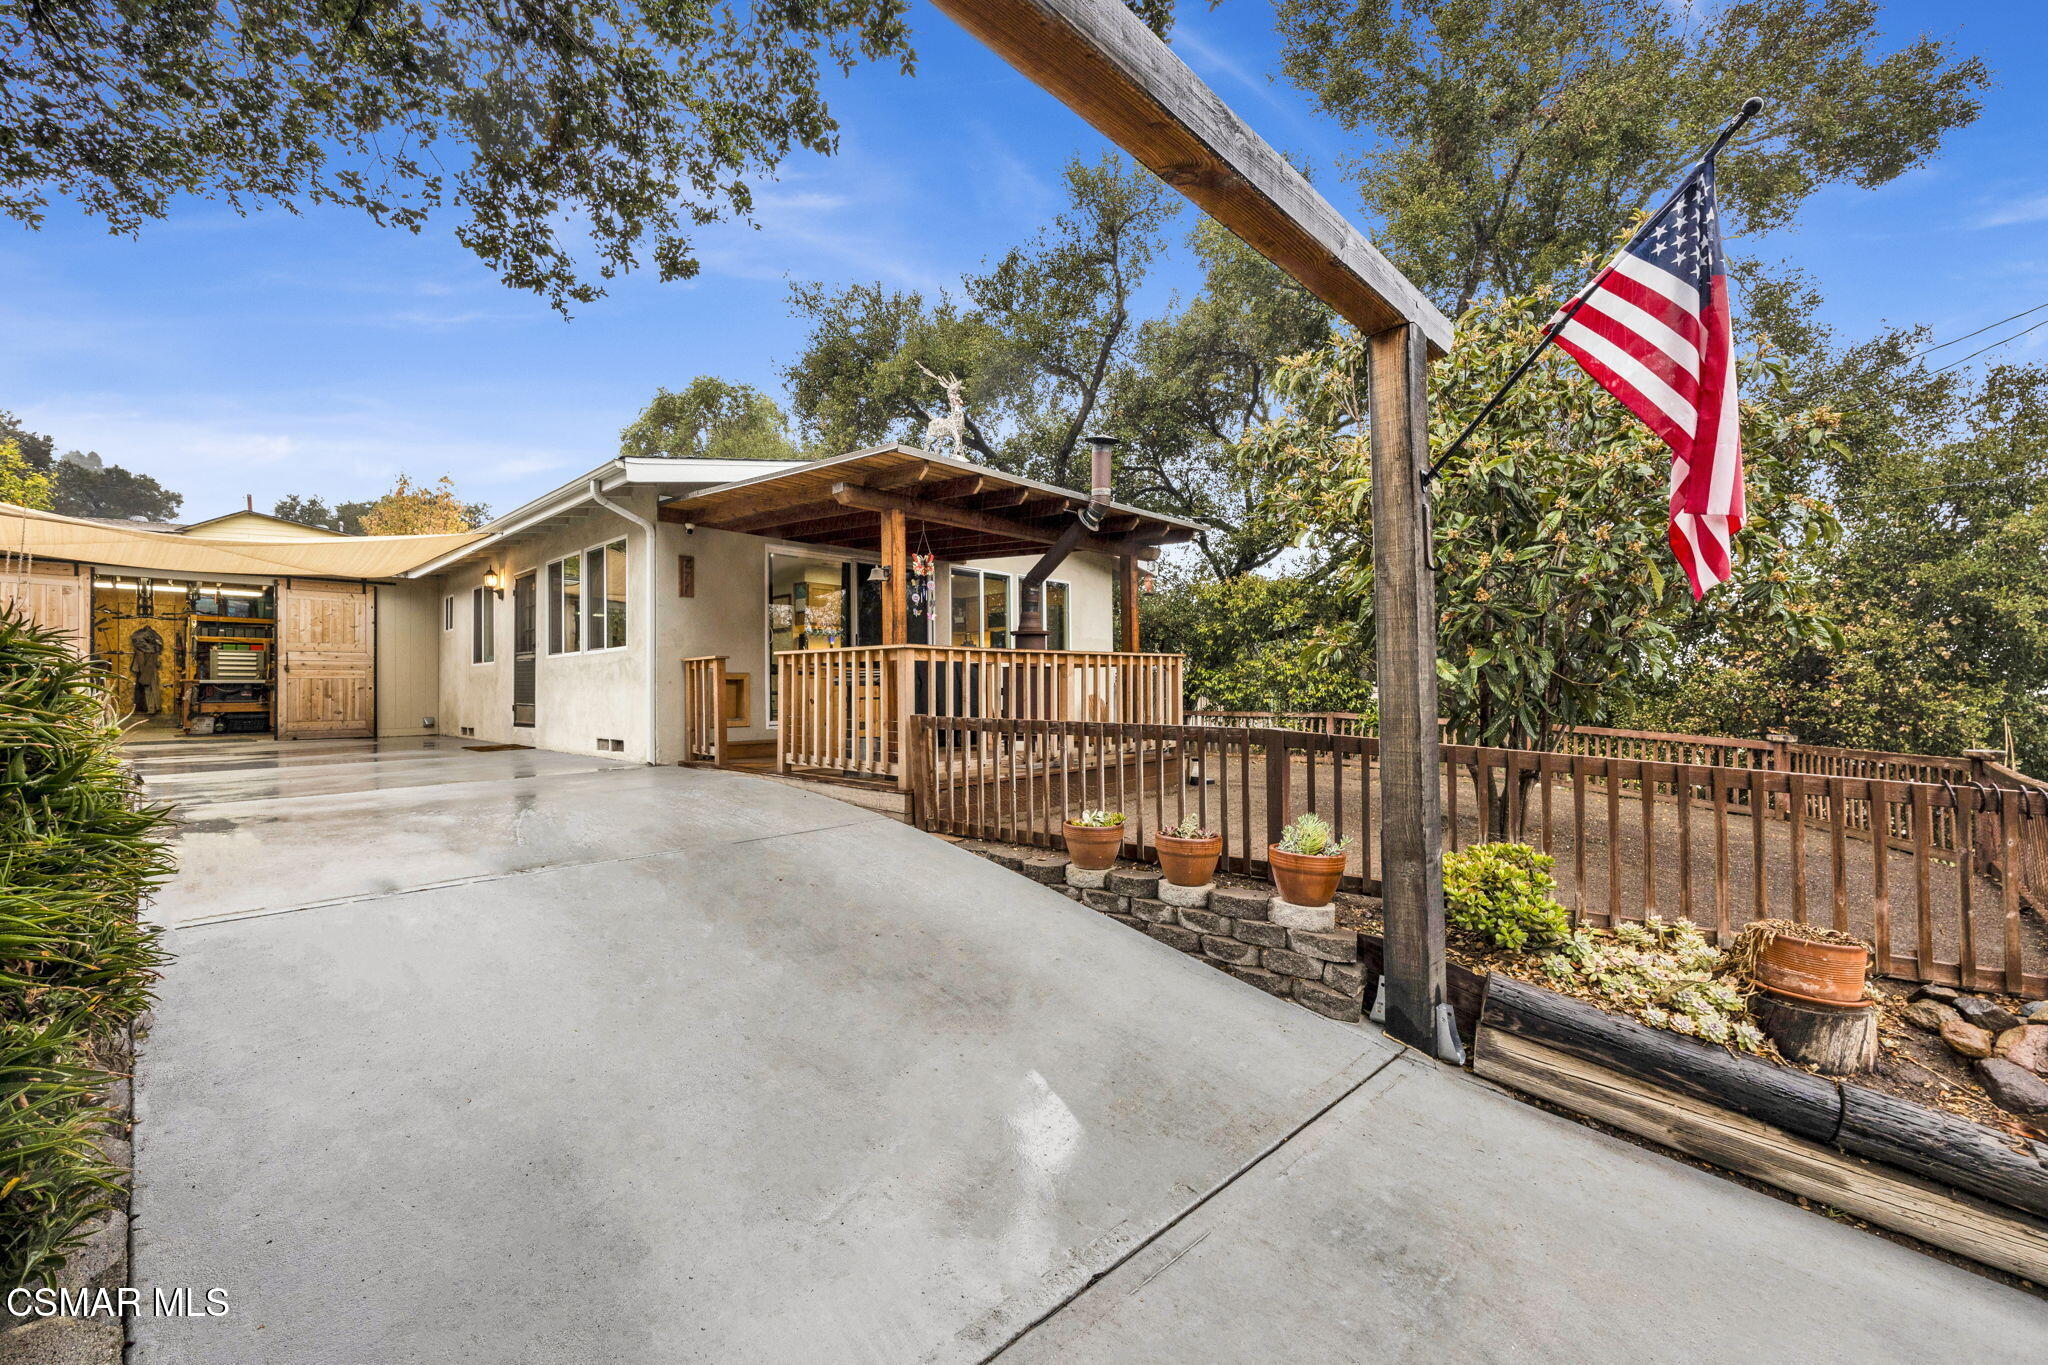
{"x": 860, "y": 641}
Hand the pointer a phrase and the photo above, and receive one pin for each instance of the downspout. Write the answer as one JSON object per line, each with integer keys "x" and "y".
{"x": 1031, "y": 631}
{"x": 648, "y": 578}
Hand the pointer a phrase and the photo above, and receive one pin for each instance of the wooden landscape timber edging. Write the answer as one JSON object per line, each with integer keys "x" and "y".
{"x": 1902, "y": 1166}
{"x": 1944, "y": 894}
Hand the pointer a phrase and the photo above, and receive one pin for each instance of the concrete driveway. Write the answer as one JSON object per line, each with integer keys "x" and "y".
{"x": 511, "y": 1057}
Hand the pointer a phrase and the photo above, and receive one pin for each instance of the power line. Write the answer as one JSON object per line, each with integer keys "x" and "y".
{"x": 1993, "y": 346}
{"x": 1979, "y": 332}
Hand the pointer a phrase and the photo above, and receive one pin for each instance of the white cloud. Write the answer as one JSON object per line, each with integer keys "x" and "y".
{"x": 2016, "y": 211}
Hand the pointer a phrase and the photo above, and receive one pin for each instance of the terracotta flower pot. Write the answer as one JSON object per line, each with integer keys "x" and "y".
{"x": 1817, "y": 973}
{"x": 1305, "y": 878}
{"x": 1189, "y": 862}
{"x": 1092, "y": 847}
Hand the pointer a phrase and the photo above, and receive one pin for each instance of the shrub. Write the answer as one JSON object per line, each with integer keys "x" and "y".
{"x": 1311, "y": 834}
{"x": 1505, "y": 894}
{"x": 77, "y": 855}
{"x": 1098, "y": 819}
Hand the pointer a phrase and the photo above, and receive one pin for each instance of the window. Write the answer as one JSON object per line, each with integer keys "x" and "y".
{"x": 604, "y": 589}
{"x": 448, "y": 612}
{"x": 587, "y": 600}
{"x": 1055, "y": 606}
{"x": 483, "y": 626}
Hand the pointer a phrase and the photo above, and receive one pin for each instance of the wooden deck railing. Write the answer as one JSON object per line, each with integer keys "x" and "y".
{"x": 704, "y": 722}
{"x": 1950, "y": 893}
{"x": 842, "y": 710}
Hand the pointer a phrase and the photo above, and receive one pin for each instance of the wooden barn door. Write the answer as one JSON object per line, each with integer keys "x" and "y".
{"x": 57, "y": 595}
{"x": 326, "y": 642}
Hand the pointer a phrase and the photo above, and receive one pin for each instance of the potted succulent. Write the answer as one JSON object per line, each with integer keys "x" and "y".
{"x": 1308, "y": 862}
{"x": 1094, "y": 838}
{"x": 1188, "y": 853}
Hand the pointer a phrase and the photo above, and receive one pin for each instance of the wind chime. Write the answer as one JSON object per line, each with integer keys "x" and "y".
{"x": 924, "y": 570}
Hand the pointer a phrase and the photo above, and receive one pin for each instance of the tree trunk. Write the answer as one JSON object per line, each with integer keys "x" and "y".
{"x": 1832, "y": 1040}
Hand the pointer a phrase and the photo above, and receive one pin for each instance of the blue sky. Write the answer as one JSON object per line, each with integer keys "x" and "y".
{"x": 319, "y": 355}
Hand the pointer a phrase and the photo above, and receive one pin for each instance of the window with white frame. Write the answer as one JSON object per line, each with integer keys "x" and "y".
{"x": 448, "y": 612}
{"x": 988, "y": 607}
{"x": 483, "y": 627}
{"x": 587, "y": 600}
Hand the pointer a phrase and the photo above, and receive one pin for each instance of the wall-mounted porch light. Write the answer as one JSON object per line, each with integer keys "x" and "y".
{"x": 494, "y": 581}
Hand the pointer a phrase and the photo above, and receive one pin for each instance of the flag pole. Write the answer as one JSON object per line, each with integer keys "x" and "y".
{"x": 1751, "y": 107}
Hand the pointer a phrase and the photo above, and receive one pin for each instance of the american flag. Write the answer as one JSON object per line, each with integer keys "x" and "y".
{"x": 1653, "y": 330}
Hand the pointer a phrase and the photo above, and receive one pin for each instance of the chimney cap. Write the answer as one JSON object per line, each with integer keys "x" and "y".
{"x": 1099, "y": 439}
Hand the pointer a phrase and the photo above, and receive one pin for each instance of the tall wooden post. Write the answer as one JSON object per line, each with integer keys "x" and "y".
{"x": 1127, "y": 603}
{"x": 896, "y": 579}
{"x": 1416, "y": 1002}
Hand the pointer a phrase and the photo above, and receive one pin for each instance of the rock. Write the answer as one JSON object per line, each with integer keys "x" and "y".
{"x": 2013, "y": 1089}
{"x": 1152, "y": 912}
{"x": 1931, "y": 1014}
{"x": 1967, "y": 1039}
{"x": 1944, "y": 994}
{"x": 1133, "y": 882}
{"x": 1050, "y": 869}
{"x": 1002, "y": 859}
{"x": 2035, "y": 1011}
{"x": 1087, "y": 879}
{"x": 1188, "y": 941}
{"x": 1106, "y": 902}
{"x": 1294, "y": 964}
{"x": 1230, "y": 950}
{"x": 1332, "y": 1004}
{"x": 1986, "y": 1014}
{"x": 2023, "y": 1046}
{"x": 1204, "y": 922}
{"x": 1266, "y": 981}
{"x": 1347, "y": 977}
{"x": 1259, "y": 932}
{"x": 1334, "y": 947}
{"x": 1187, "y": 897}
{"x": 1239, "y": 903}
{"x": 1318, "y": 918}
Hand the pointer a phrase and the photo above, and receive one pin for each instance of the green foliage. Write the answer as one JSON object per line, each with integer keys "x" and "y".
{"x": 1190, "y": 827}
{"x": 1311, "y": 835}
{"x": 77, "y": 854}
{"x": 20, "y": 482}
{"x": 1664, "y": 972}
{"x": 345, "y": 517}
{"x": 1557, "y": 596}
{"x": 1098, "y": 819}
{"x": 632, "y": 120}
{"x": 1940, "y": 582}
{"x": 1505, "y": 142}
{"x": 710, "y": 419}
{"x": 1049, "y": 345}
{"x": 1505, "y": 894}
{"x": 1253, "y": 642}
{"x": 84, "y": 485}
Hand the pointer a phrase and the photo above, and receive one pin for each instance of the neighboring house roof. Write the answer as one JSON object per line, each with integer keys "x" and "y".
{"x": 133, "y": 524}
{"x": 45, "y": 535}
{"x": 248, "y": 524}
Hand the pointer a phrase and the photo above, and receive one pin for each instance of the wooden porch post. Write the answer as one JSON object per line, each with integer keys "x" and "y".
{"x": 896, "y": 587}
{"x": 1416, "y": 1002}
{"x": 1127, "y": 602}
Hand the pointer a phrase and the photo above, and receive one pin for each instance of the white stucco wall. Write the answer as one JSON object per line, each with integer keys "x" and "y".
{"x": 579, "y": 698}
{"x": 1092, "y": 582}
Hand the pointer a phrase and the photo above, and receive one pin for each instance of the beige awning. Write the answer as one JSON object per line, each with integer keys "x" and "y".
{"x": 45, "y": 535}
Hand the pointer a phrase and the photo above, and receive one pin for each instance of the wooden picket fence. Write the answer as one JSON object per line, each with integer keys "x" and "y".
{"x": 1948, "y": 877}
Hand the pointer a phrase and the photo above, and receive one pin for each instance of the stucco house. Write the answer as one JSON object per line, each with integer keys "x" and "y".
{"x": 668, "y": 610}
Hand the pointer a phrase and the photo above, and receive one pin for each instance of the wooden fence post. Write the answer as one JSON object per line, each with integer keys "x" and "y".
{"x": 1417, "y": 1003}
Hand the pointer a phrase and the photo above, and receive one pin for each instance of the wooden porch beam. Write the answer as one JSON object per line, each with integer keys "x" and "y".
{"x": 852, "y": 495}
{"x": 1099, "y": 59}
{"x": 1127, "y": 573}
{"x": 896, "y": 583}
